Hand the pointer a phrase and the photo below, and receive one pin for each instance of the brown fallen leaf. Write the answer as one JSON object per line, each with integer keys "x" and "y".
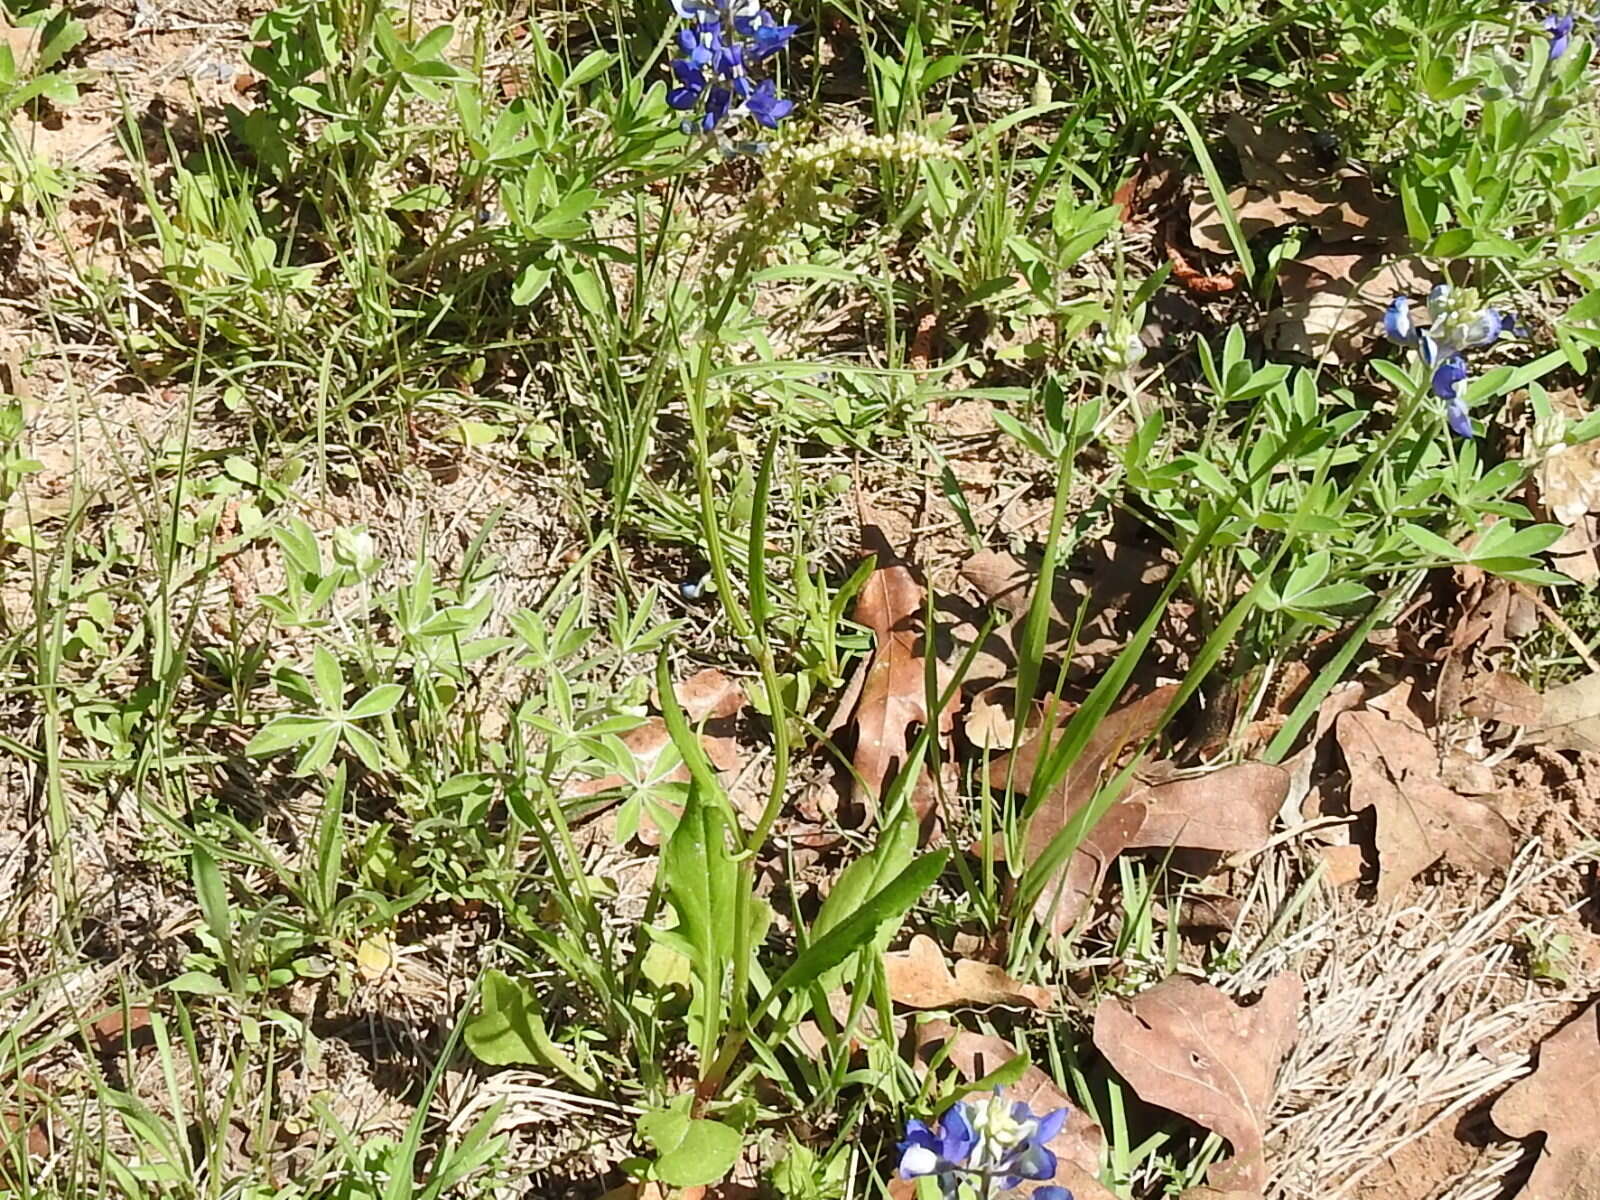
{"x": 1115, "y": 582}
{"x": 919, "y": 977}
{"x": 1332, "y": 301}
{"x": 1066, "y": 897}
{"x": 1275, "y": 157}
{"x": 1341, "y": 865}
{"x": 708, "y": 695}
{"x": 1569, "y": 716}
{"x": 1569, "y": 481}
{"x": 1112, "y": 575}
{"x": 1558, "y": 1098}
{"x": 1211, "y": 1193}
{"x": 990, "y": 722}
{"x": 1188, "y": 1047}
{"x": 1339, "y": 209}
{"x": 38, "y": 1138}
{"x": 1310, "y": 760}
{"x": 1079, "y": 1147}
{"x": 1565, "y": 486}
{"x": 1229, "y": 811}
{"x": 1501, "y": 696}
{"x": 1574, "y": 552}
{"x": 118, "y": 1027}
{"x": 893, "y": 696}
{"x": 1203, "y": 914}
{"x": 1394, "y": 769}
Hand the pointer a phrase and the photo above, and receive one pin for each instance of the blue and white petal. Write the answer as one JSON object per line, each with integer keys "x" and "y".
{"x": 1397, "y": 324}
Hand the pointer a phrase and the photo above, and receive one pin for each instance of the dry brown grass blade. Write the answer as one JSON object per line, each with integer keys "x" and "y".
{"x": 1187, "y": 1046}
{"x": 1558, "y": 1098}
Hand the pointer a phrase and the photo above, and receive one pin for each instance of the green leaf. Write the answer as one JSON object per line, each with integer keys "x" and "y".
{"x": 1394, "y": 375}
{"x": 856, "y": 930}
{"x": 508, "y": 1029}
{"x": 329, "y": 679}
{"x": 860, "y": 879}
{"x": 1332, "y": 596}
{"x": 1436, "y": 77}
{"x": 284, "y": 731}
{"x": 1501, "y": 541}
{"x": 691, "y": 1151}
{"x": 197, "y": 983}
{"x": 1535, "y": 576}
{"x": 565, "y": 220}
{"x": 366, "y": 747}
{"x": 531, "y": 283}
{"x": 378, "y": 701}
{"x": 320, "y": 753}
{"x": 589, "y": 66}
{"x": 702, "y": 883}
{"x": 212, "y": 894}
{"x": 434, "y": 42}
{"x": 1452, "y": 243}
{"x": 1587, "y": 309}
{"x": 1430, "y": 543}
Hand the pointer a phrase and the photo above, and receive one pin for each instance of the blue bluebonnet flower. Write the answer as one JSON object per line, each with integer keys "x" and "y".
{"x": 1559, "y": 27}
{"x": 984, "y": 1145}
{"x": 1449, "y": 381}
{"x": 1458, "y": 324}
{"x": 723, "y": 40}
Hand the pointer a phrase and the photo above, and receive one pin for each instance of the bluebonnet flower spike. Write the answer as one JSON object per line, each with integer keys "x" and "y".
{"x": 724, "y": 41}
{"x": 984, "y": 1143}
{"x": 925, "y": 1152}
{"x": 1458, "y": 323}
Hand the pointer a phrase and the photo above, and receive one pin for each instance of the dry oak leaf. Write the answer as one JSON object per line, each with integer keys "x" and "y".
{"x": 1288, "y": 181}
{"x": 1340, "y": 209}
{"x": 1569, "y": 716}
{"x": 1573, "y": 553}
{"x": 1559, "y": 1099}
{"x": 1116, "y": 583}
{"x": 1229, "y": 811}
{"x": 919, "y": 977}
{"x": 1333, "y": 301}
{"x": 1074, "y": 888}
{"x": 1185, "y": 1046}
{"x": 1079, "y": 1147}
{"x": 894, "y": 696}
{"x": 1501, "y": 696}
{"x": 1395, "y": 770}
{"x": 1568, "y": 479}
{"x": 709, "y": 694}
{"x": 989, "y": 723}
